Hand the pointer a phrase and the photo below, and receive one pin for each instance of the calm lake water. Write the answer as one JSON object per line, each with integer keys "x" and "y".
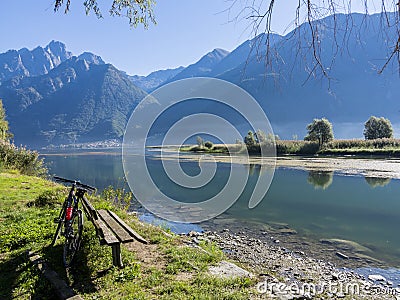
{"x": 316, "y": 205}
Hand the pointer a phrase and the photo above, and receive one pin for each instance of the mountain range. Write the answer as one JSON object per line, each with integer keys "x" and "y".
{"x": 64, "y": 98}
{"x": 53, "y": 97}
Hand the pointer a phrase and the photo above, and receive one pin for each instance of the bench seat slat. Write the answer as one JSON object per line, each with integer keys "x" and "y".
{"x": 108, "y": 237}
{"x": 132, "y": 233}
{"x": 115, "y": 227}
{"x": 89, "y": 209}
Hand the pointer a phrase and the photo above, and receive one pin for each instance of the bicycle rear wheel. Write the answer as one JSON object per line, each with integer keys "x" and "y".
{"x": 73, "y": 235}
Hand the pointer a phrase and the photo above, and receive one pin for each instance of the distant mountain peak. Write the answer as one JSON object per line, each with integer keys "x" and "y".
{"x": 155, "y": 79}
{"x": 203, "y": 66}
{"x": 56, "y": 46}
{"x": 59, "y": 50}
{"x": 91, "y": 58}
{"x": 218, "y": 52}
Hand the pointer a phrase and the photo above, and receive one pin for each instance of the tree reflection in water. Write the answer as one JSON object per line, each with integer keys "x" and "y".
{"x": 376, "y": 181}
{"x": 320, "y": 179}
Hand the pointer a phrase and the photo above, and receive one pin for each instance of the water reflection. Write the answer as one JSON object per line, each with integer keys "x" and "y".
{"x": 376, "y": 181}
{"x": 320, "y": 179}
{"x": 258, "y": 169}
{"x": 349, "y": 210}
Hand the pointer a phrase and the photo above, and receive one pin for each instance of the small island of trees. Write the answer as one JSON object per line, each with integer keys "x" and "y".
{"x": 378, "y": 134}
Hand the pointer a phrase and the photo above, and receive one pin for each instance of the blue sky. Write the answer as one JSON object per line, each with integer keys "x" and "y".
{"x": 186, "y": 30}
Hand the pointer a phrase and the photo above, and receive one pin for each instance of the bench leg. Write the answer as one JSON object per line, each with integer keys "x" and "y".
{"x": 116, "y": 254}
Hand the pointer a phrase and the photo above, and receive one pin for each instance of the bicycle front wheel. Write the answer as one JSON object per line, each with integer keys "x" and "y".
{"x": 73, "y": 235}
{"x": 59, "y": 221}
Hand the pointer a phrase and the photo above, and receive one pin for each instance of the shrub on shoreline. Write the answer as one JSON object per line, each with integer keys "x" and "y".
{"x": 19, "y": 158}
{"x": 364, "y": 144}
{"x": 296, "y": 147}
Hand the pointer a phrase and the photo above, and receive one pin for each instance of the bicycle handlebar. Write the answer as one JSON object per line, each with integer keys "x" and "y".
{"x": 77, "y": 183}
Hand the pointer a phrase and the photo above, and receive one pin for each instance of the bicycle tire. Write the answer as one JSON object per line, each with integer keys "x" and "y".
{"x": 60, "y": 222}
{"x": 73, "y": 236}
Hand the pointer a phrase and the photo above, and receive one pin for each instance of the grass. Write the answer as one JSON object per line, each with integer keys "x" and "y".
{"x": 164, "y": 269}
{"x": 22, "y": 227}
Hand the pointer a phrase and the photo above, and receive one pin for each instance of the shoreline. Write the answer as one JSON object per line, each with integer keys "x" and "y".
{"x": 342, "y": 253}
{"x": 283, "y": 272}
{"x": 286, "y": 274}
{"x": 372, "y": 166}
{"x": 381, "y": 167}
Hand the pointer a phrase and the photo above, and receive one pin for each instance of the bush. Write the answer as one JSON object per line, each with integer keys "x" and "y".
{"x": 296, "y": 147}
{"x": 49, "y": 198}
{"x": 363, "y": 144}
{"x": 117, "y": 197}
{"x": 208, "y": 144}
{"x": 19, "y": 158}
{"x": 196, "y": 149}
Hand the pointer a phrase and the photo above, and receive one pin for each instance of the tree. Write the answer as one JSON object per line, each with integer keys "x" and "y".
{"x": 320, "y": 130}
{"x": 4, "y": 134}
{"x": 377, "y": 128}
{"x": 249, "y": 139}
{"x": 136, "y": 11}
{"x": 200, "y": 141}
{"x": 261, "y": 137}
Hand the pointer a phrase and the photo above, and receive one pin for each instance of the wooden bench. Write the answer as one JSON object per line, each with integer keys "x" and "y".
{"x": 111, "y": 230}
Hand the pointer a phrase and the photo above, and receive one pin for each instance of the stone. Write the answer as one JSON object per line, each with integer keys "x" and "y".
{"x": 341, "y": 255}
{"x": 376, "y": 277}
{"x": 227, "y": 269}
{"x": 346, "y": 245}
{"x": 287, "y": 231}
{"x": 193, "y": 233}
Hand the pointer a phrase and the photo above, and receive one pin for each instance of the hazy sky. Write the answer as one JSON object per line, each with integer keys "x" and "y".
{"x": 185, "y": 31}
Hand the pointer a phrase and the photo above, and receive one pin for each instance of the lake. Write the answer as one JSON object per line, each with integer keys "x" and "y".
{"x": 317, "y": 205}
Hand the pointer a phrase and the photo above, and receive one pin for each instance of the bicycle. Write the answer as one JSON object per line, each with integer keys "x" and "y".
{"x": 70, "y": 219}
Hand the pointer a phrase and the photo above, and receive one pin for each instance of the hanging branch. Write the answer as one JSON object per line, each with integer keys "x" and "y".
{"x": 310, "y": 12}
{"x": 136, "y": 11}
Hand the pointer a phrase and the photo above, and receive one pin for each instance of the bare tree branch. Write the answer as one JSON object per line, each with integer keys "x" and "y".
{"x": 260, "y": 13}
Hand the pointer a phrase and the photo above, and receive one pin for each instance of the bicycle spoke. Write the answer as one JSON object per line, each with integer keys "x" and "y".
{"x": 72, "y": 237}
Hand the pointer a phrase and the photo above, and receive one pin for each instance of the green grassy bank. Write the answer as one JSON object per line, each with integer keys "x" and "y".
{"x": 378, "y": 147}
{"x": 164, "y": 269}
